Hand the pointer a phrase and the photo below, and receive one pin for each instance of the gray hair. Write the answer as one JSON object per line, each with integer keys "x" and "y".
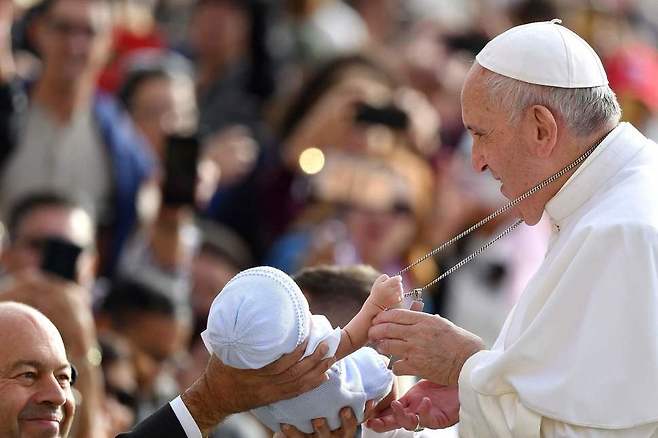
{"x": 584, "y": 110}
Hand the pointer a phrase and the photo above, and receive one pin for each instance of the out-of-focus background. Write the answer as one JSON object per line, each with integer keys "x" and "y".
{"x": 151, "y": 149}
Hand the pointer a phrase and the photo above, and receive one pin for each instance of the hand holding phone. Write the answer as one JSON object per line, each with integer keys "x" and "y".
{"x": 60, "y": 257}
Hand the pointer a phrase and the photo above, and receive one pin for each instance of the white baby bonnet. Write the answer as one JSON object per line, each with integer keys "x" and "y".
{"x": 260, "y": 315}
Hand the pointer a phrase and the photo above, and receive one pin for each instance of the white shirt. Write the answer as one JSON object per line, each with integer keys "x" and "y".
{"x": 578, "y": 355}
{"x": 68, "y": 158}
{"x": 185, "y": 418}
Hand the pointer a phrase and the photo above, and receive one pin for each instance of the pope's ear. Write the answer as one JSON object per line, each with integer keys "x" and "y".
{"x": 543, "y": 130}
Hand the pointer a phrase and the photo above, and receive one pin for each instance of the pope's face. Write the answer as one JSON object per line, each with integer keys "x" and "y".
{"x": 498, "y": 146}
{"x": 36, "y": 398}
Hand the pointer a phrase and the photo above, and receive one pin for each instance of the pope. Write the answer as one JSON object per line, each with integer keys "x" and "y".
{"x": 578, "y": 354}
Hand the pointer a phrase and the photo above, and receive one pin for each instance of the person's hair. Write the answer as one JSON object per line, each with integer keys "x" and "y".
{"x": 45, "y": 6}
{"x": 28, "y": 204}
{"x": 338, "y": 292}
{"x": 325, "y": 78}
{"x": 135, "y": 79}
{"x": 150, "y": 64}
{"x": 128, "y": 298}
{"x": 584, "y": 110}
{"x": 223, "y": 242}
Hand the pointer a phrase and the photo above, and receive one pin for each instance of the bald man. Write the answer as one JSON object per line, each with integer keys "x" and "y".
{"x": 35, "y": 376}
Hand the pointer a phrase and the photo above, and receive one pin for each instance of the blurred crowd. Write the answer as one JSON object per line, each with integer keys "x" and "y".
{"x": 152, "y": 149}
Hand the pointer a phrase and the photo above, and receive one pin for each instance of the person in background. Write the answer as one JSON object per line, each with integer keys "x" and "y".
{"x": 157, "y": 326}
{"x": 38, "y": 217}
{"x": 630, "y": 70}
{"x": 120, "y": 380}
{"x": 36, "y": 377}
{"x": 65, "y": 136}
{"x": 338, "y": 292}
{"x": 68, "y": 306}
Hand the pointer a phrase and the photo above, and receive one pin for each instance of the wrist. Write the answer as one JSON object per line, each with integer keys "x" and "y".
{"x": 203, "y": 405}
{"x": 372, "y": 306}
{"x": 468, "y": 349}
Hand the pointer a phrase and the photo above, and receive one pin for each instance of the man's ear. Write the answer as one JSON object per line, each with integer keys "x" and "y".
{"x": 544, "y": 130}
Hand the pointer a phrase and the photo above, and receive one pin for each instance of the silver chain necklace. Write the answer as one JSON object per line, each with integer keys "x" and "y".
{"x": 416, "y": 294}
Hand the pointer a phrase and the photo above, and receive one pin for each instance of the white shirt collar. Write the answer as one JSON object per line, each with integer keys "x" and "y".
{"x": 616, "y": 149}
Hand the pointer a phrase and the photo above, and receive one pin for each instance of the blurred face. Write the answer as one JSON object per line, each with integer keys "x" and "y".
{"x": 74, "y": 38}
{"x": 381, "y": 237}
{"x": 218, "y": 32}
{"x": 156, "y": 340}
{"x": 35, "y": 379}
{"x": 161, "y": 106}
{"x": 210, "y": 273}
{"x": 73, "y": 225}
{"x": 498, "y": 147}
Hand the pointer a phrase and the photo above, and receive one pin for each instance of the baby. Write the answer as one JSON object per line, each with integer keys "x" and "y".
{"x": 261, "y": 314}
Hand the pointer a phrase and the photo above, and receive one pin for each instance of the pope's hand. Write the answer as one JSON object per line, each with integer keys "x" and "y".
{"x": 433, "y": 406}
{"x": 428, "y": 346}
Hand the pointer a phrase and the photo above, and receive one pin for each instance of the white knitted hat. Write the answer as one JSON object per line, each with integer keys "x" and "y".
{"x": 259, "y": 315}
{"x": 544, "y": 53}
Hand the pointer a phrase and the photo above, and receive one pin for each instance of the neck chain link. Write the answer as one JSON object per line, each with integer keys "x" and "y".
{"x": 416, "y": 294}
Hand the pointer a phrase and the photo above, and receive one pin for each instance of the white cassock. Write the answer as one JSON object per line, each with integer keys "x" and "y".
{"x": 578, "y": 354}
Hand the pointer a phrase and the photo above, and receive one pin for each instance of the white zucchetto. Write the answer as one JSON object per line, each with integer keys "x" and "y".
{"x": 544, "y": 53}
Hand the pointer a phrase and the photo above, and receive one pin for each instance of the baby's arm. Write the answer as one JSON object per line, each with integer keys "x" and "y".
{"x": 386, "y": 293}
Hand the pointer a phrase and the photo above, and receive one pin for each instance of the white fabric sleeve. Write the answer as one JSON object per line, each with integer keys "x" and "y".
{"x": 551, "y": 429}
{"x": 185, "y": 418}
{"x": 504, "y": 416}
{"x": 399, "y": 433}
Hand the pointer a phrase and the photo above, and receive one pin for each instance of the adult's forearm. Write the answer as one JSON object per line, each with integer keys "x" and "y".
{"x": 202, "y": 403}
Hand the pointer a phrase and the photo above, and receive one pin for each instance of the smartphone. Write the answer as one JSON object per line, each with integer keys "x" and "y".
{"x": 60, "y": 257}
{"x": 181, "y": 158}
{"x": 389, "y": 115}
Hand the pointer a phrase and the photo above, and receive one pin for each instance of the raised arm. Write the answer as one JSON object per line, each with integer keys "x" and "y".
{"x": 386, "y": 293}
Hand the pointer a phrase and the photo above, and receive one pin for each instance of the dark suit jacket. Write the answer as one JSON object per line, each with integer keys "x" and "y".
{"x": 162, "y": 424}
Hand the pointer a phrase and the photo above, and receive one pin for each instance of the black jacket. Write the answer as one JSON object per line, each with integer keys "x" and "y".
{"x": 162, "y": 424}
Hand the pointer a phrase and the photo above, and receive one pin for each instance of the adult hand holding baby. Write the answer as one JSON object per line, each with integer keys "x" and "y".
{"x": 347, "y": 429}
{"x": 222, "y": 390}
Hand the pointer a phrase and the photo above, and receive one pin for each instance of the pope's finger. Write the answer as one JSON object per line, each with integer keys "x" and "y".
{"x": 406, "y": 419}
{"x": 393, "y": 347}
{"x": 424, "y": 411}
{"x": 399, "y": 316}
{"x": 417, "y": 306}
{"x": 404, "y": 367}
{"x": 383, "y": 423}
{"x": 390, "y": 331}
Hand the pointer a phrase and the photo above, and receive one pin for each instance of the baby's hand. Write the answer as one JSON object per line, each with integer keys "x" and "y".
{"x": 386, "y": 292}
